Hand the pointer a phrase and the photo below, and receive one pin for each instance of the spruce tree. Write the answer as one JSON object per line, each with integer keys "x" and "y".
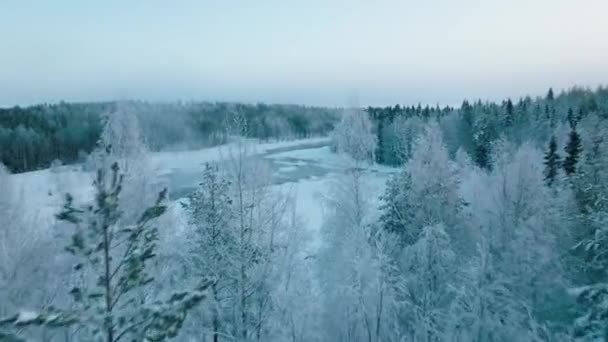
{"x": 552, "y": 162}
{"x": 571, "y": 118}
{"x": 591, "y": 236}
{"x": 550, "y": 95}
{"x": 573, "y": 150}
{"x": 509, "y": 119}
{"x": 380, "y": 141}
{"x": 482, "y": 151}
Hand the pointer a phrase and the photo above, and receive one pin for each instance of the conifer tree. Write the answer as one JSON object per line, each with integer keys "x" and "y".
{"x": 380, "y": 157}
{"x": 552, "y": 162}
{"x": 482, "y": 151}
{"x": 591, "y": 190}
{"x": 573, "y": 150}
{"x": 114, "y": 260}
{"x": 550, "y": 95}
{"x": 571, "y": 118}
{"x": 509, "y": 119}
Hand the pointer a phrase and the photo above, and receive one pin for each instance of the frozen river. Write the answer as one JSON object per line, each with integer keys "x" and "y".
{"x": 289, "y": 164}
{"x": 305, "y": 168}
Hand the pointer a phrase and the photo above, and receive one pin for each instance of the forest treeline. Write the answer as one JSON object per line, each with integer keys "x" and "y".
{"x": 493, "y": 228}
{"x": 33, "y": 137}
{"x": 474, "y": 126}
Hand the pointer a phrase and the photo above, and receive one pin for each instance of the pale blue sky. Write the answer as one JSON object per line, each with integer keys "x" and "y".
{"x": 311, "y": 52}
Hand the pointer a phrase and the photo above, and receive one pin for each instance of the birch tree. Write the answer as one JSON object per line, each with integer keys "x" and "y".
{"x": 353, "y": 136}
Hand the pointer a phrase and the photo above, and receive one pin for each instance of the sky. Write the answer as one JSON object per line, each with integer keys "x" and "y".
{"x": 314, "y": 52}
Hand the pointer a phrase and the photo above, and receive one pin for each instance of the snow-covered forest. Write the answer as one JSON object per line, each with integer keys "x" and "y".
{"x": 482, "y": 222}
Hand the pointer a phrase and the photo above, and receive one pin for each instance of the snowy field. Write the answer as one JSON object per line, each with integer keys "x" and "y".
{"x": 305, "y": 168}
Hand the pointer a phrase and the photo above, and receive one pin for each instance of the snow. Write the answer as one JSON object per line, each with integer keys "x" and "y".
{"x": 42, "y": 192}
{"x": 300, "y": 166}
{"x": 193, "y": 159}
{"x": 25, "y": 317}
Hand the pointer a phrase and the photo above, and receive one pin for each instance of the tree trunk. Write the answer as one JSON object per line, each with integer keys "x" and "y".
{"x": 216, "y": 321}
{"x": 107, "y": 285}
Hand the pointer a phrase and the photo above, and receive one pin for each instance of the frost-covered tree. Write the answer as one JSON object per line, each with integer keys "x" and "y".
{"x": 113, "y": 261}
{"x": 31, "y": 275}
{"x": 259, "y": 217}
{"x": 519, "y": 225}
{"x": 122, "y": 139}
{"x": 425, "y": 193}
{"x": 211, "y": 214}
{"x": 485, "y": 308}
{"x": 353, "y": 136}
{"x": 349, "y": 273}
{"x": 401, "y": 136}
{"x": 428, "y": 269}
{"x": 591, "y": 234}
{"x": 122, "y": 132}
{"x": 295, "y": 288}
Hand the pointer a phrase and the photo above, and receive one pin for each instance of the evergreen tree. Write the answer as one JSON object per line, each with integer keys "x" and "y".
{"x": 113, "y": 262}
{"x": 509, "y": 115}
{"x": 550, "y": 95}
{"x": 573, "y": 150}
{"x": 571, "y": 118}
{"x": 592, "y": 326}
{"x": 380, "y": 138}
{"x": 482, "y": 151}
{"x": 552, "y": 162}
{"x": 591, "y": 237}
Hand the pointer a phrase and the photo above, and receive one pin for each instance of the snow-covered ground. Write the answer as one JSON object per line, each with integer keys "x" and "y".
{"x": 309, "y": 172}
{"x": 304, "y": 167}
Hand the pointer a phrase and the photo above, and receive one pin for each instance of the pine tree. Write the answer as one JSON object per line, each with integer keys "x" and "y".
{"x": 114, "y": 260}
{"x": 349, "y": 271}
{"x": 552, "y": 162}
{"x": 573, "y": 150}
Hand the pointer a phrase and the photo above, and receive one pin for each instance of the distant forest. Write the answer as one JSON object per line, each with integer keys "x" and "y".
{"x": 33, "y": 137}
{"x": 476, "y": 126}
